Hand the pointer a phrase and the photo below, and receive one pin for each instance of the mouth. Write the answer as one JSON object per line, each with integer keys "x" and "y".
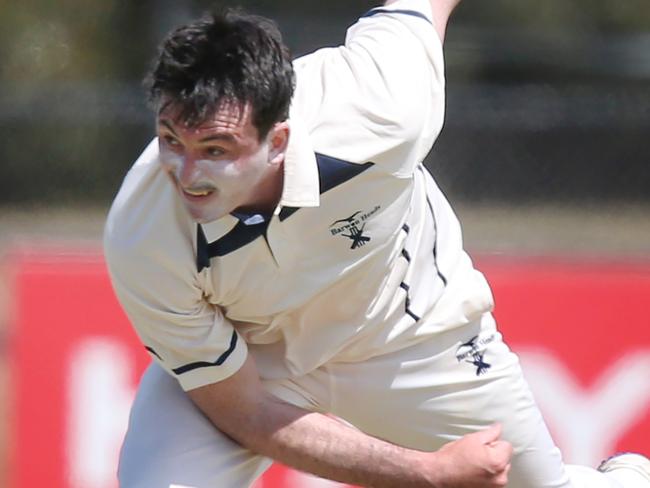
{"x": 197, "y": 194}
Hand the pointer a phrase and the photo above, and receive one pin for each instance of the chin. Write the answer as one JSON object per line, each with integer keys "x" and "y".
{"x": 204, "y": 217}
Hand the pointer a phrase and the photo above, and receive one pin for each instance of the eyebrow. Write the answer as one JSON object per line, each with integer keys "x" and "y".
{"x": 218, "y": 137}
{"x": 214, "y": 137}
{"x": 168, "y": 125}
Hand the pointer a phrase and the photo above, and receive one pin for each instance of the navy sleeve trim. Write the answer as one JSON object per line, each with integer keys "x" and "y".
{"x": 206, "y": 364}
{"x": 413, "y": 13}
{"x": 152, "y": 351}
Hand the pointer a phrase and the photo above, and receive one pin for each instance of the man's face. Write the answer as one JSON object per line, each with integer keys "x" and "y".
{"x": 221, "y": 165}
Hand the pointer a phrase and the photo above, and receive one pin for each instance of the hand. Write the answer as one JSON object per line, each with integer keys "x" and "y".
{"x": 478, "y": 460}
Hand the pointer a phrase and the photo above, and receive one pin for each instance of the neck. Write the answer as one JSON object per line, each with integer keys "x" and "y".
{"x": 267, "y": 194}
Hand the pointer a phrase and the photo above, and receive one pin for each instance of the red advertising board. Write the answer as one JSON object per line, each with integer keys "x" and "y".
{"x": 582, "y": 331}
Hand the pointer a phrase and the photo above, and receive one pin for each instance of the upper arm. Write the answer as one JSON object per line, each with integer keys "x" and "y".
{"x": 234, "y": 405}
{"x": 380, "y": 96}
{"x": 441, "y": 10}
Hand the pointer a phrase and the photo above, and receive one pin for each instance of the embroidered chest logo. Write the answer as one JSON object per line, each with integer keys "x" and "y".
{"x": 473, "y": 351}
{"x": 353, "y": 227}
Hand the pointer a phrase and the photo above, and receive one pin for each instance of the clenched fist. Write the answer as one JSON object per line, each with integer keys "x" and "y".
{"x": 478, "y": 460}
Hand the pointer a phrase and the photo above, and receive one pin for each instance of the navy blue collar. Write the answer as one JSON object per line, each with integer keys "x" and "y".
{"x": 250, "y": 219}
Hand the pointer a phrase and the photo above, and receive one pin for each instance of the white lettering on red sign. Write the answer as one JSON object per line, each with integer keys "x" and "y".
{"x": 100, "y": 394}
{"x": 586, "y": 423}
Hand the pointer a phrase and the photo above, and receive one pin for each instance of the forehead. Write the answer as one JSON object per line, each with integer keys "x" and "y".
{"x": 230, "y": 117}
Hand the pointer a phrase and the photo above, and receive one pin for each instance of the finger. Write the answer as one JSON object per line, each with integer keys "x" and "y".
{"x": 499, "y": 458}
{"x": 506, "y": 448}
{"x": 501, "y": 451}
{"x": 501, "y": 446}
{"x": 489, "y": 434}
{"x": 502, "y": 478}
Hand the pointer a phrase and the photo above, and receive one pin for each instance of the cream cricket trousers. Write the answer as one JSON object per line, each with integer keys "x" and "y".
{"x": 420, "y": 397}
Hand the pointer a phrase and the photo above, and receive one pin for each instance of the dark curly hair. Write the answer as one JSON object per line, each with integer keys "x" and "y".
{"x": 227, "y": 56}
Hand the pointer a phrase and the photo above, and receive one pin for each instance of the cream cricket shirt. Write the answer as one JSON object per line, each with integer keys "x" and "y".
{"x": 362, "y": 256}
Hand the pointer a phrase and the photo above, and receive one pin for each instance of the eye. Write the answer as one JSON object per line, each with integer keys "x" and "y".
{"x": 171, "y": 141}
{"x": 214, "y": 151}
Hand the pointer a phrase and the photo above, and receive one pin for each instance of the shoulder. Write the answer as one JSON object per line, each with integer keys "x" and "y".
{"x": 146, "y": 222}
{"x": 131, "y": 202}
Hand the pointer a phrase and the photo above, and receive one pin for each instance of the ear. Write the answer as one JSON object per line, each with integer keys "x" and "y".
{"x": 278, "y": 141}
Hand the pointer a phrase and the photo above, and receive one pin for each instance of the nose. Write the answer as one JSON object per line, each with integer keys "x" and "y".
{"x": 186, "y": 173}
{"x": 182, "y": 166}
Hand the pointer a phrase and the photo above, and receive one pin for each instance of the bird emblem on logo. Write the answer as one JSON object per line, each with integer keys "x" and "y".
{"x": 469, "y": 352}
{"x": 352, "y": 228}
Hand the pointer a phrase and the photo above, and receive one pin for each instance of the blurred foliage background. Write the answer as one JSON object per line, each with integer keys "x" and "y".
{"x": 547, "y": 101}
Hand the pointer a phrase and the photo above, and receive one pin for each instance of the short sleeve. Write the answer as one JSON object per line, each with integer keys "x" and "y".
{"x": 153, "y": 271}
{"x": 380, "y": 96}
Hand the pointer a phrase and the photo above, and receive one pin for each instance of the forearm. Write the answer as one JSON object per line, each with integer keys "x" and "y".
{"x": 241, "y": 408}
{"x": 324, "y": 446}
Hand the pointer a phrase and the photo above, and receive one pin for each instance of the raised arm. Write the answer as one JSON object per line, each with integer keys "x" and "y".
{"x": 441, "y": 10}
{"x": 241, "y": 408}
